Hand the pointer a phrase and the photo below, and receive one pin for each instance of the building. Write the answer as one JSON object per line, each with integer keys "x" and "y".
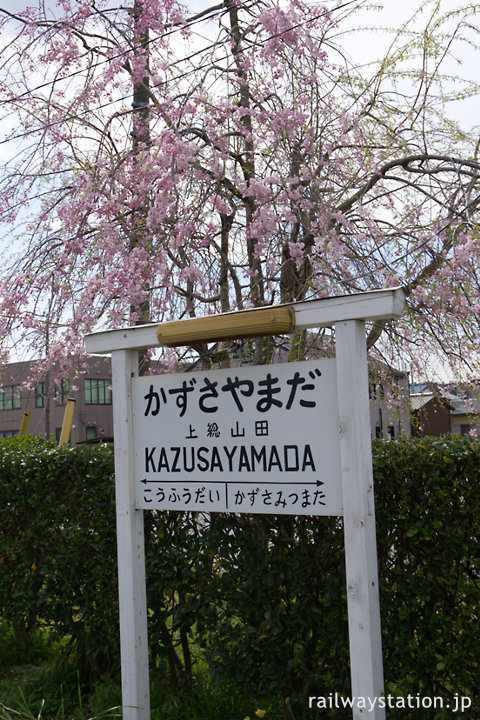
{"x": 431, "y": 415}
{"x": 389, "y": 402}
{"x": 433, "y": 402}
{"x": 92, "y": 420}
{"x": 465, "y": 415}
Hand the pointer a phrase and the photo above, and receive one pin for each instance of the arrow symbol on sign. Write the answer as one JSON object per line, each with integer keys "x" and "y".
{"x": 317, "y": 483}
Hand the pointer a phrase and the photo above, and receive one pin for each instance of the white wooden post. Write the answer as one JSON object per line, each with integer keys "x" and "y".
{"x": 359, "y": 518}
{"x": 130, "y": 548}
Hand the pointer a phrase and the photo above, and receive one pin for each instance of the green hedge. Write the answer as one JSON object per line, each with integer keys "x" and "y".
{"x": 58, "y": 546}
{"x": 428, "y": 536}
{"x": 261, "y": 598}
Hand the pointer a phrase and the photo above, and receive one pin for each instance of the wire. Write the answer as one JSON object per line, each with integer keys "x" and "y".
{"x": 405, "y": 256}
{"x": 134, "y": 48}
{"x": 217, "y": 11}
{"x": 258, "y": 43}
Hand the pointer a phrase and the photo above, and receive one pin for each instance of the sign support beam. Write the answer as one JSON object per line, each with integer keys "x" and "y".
{"x": 359, "y": 517}
{"x": 375, "y": 305}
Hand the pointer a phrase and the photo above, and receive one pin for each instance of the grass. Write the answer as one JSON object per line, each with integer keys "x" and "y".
{"x": 35, "y": 685}
{"x": 25, "y": 711}
{"x": 52, "y": 692}
{"x": 50, "y": 695}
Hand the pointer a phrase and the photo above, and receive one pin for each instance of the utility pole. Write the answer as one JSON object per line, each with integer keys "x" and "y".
{"x": 141, "y": 89}
{"x": 140, "y": 143}
{"x": 47, "y": 376}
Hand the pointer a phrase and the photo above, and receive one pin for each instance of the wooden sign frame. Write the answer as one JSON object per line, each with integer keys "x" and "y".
{"x": 347, "y": 314}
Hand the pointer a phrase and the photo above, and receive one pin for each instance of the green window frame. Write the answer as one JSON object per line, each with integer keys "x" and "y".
{"x": 41, "y": 394}
{"x": 91, "y": 432}
{"x": 10, "y": 398}
{"x": 63, "y": 392}
{"x": 98, "y": 391}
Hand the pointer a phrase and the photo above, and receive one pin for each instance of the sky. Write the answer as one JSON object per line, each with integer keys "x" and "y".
{"x": 370, "y": 44}
{"x": 372, "y": 31}
{"x": 370, "y": 37}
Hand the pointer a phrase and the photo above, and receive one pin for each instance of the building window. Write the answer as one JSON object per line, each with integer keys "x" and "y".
{"x": 10, "y": 398}
{"x": 8, "y": 433}
{"x": 98, "y": 392}
{"x": 375, "y": 391}
{"x": 391, "y": 432}
{"x": 465, "y": 429}
{"x": 91, "y": 432}
{"x": 41, "y": 395}
{"x": 63, "y": 392}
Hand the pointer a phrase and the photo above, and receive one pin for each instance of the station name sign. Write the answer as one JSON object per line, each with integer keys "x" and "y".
{"x": 261, "y": 439}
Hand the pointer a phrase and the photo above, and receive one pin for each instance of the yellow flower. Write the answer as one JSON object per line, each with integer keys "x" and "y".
{"x": 260, "y": 713}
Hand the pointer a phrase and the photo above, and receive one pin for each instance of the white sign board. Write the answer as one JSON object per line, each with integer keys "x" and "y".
{"x": 262, "y": 439}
